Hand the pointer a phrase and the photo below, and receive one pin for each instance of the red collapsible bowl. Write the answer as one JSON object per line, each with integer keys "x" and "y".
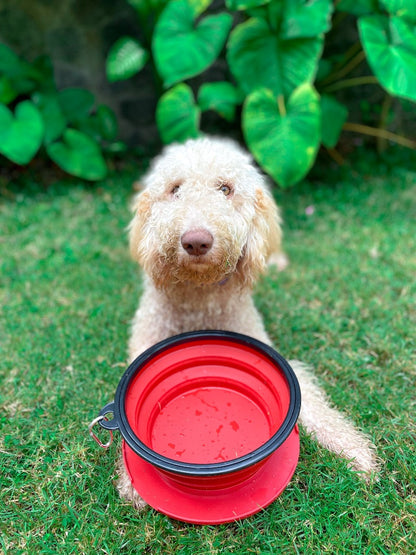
{"x": 209, "y": 425}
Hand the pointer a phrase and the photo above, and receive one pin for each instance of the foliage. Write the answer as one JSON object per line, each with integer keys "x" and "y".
{"x": 177, "y": 114}
{"x": 66, "y": 124}
{"x": 182, "y": 46}
{"x": 294, "y": 127}
{"x": 282, "y": 80}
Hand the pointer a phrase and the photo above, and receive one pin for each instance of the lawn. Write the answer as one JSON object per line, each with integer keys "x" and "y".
{"x": 346, "y": 304}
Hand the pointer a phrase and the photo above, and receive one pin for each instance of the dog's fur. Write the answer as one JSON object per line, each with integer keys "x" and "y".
{"x": 208, "y": 190}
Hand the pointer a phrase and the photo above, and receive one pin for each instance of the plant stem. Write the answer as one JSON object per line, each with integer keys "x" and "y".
{"x": 353, "y": 82}
{"x": 353, "y": 57}
{"x": 385, "y": 109}
{"x": 336, "y": 156}
{"x": 379, "y": 133}
{"x": 352, "y": 64}
{"x": 281, "y": 105}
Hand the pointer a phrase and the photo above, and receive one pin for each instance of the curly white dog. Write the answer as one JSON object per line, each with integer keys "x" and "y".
{"x": 204, "y": 228}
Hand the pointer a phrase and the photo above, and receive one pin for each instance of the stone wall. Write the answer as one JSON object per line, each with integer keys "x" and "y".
{"x": 77, "y": 35}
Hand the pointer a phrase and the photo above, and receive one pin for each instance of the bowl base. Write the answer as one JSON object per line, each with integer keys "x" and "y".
{"x": 219, "y": 505}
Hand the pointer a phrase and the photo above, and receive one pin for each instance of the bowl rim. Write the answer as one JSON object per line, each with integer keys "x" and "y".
{"x": 207, "y": 469}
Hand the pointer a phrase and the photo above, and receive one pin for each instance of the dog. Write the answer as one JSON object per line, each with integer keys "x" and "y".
{"x": 204, "y": 227}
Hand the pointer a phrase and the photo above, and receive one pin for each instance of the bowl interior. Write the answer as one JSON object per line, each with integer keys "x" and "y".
{"x": 207, "y": 401}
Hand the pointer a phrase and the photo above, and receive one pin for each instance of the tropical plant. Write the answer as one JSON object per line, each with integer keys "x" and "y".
{"x": 280, "y": 74}
{"x": 66, "y": 124}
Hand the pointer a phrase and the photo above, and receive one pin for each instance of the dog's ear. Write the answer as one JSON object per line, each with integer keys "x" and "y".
{"x": 264, "y": 237}
{"x": 268, "y": 215}
{"x": 142, "y": 209}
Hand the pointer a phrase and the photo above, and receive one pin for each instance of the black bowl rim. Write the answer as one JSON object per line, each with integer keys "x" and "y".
{"x": 208, "y": 469}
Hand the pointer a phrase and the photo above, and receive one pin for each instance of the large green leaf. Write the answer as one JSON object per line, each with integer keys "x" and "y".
{"x": 259, "y": 57}
{"x": 390, "y": 47}
{"x": 107, "y": 122}
{"x": 177, "y": 115}
{"x": 100, "y": 126}
{"x": 283, "y": 139}
{"x": 357, "y": 7}
{"x": 199, "y": 6}
{"x": 78, "y": 155}
{"x": 76, "y": 104}
{"x": 7, "y": 91}
{"x": 244, "y": 4}
{"x": 222, "y": 97}
{"x": 126, "y": 58}
{"x": 10, "y": 62}
{"x": 53, "y": 117}
{"x": 402, "y": 8}
{"x": 148, "y": 7}
{"x": 145, "y": 8}
{"x": 182, "y": 48}
{"x": 21, "y": 134}
{"x": 20, "y": 74}
{"x": 305, "y": 18}
{"x": 42, "y": 71}
{"x": 333, "y": 117}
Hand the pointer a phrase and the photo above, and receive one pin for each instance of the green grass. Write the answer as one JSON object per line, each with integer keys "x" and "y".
{"x": 346, "y": 304}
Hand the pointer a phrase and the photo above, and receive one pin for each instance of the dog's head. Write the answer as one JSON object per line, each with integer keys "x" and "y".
{"x": 205, "y": 214}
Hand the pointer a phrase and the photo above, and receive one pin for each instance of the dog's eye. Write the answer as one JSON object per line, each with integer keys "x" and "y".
{"x": 225, "y": 189}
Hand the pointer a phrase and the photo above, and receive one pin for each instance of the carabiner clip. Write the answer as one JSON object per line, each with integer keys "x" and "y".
{"x": 94, "y": 436}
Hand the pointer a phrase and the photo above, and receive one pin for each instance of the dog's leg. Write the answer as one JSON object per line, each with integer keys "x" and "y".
{"x": 137, "y": 345}
{"x": 330, "y": 428}
{"x": 125, "y": 487}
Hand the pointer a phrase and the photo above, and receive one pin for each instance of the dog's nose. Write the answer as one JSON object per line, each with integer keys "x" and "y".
{"x": 197, "y": 242}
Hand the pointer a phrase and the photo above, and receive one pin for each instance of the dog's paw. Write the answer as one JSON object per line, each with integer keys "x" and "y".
{"x": 363, "y": 459}
{"x": 341, "y": 437}
{"x": 126, "y": 490}
{"x": 332, "y": 429}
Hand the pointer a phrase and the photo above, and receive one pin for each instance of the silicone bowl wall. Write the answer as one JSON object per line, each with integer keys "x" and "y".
{"x": 207, "y": 408}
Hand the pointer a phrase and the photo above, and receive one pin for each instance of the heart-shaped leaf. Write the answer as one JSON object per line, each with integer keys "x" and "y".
{"x": 10, "y": 63}
{"x": 390, "y": 47}
{"x": 126, "y": 58}
{"x": 78, "y": 155}
{"x": 284, "y": 139}
{"x": 222, "y": 97}
{"x": 23, "y": 77}
{"x": 259, "y": 57}
{"x": 182, "y": 48}
{"x": 76, "y": 104}
{"x": 16, "y": 68}
{"x": 333, "y": 117}
{"x": 272, "y": 12}
{"x": 21, "y": 134}
{"x": 199, "y": 6}
{"x": 147, "y": 7}
{"x": 177, "y": 115}
{"x": 305, "y": 19}
{"x": 107, "y": 123}
{"x": 7, "y": 91}
{"x": 357, "y": 7}
{"x": 53, "y": 117}
{"x": 42, "y": 71}
{"x": 402, "y": 8}
{"x": 244, "y": 4}
{"x": 100, "y": 126}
